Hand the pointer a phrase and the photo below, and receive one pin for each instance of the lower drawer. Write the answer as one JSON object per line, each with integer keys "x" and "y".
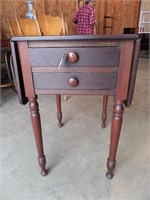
{"x": 75, "y": 81}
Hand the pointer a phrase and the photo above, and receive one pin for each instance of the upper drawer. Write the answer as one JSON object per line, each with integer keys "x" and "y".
{"x": 86, "y": 57}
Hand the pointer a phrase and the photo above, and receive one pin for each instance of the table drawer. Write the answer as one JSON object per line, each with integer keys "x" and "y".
{"x": 75, "y": 81}
{"x": 86, "y": 57}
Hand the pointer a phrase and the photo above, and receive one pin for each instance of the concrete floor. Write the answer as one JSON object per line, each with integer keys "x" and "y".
{"x": 76, "y": 153}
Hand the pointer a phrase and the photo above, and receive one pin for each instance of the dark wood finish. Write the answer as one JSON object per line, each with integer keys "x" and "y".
{"x": 126, "y": 52}
{"x": 36, "y": 123}
{"x": 115, "y": 134}
{"x": 133, "y": 73}
{"x": 102, "y": 65}
{"x": 59, "y": 113}
{"x": 26, "y": 69}
{"x": 104, "y": 113}
{"x": 85, "y": 57}
{"x": 19, "y": 84}
{"x": 84, "y": 81}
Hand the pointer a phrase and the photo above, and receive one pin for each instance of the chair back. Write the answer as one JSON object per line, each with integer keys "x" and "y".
{"x": 15, "y": 28}
{"x": 51, "y": 25}
{"x": 29, "y": 27}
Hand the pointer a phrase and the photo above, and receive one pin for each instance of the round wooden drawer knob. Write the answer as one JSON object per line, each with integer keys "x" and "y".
{"x": 72, "y": 57}
{"x": 73, "y": 82}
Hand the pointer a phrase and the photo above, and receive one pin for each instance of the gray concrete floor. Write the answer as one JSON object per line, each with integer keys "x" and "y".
{"x": 77, "y": 152}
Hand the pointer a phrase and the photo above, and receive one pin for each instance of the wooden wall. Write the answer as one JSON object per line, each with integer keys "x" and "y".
{"x": 125, "y": 13}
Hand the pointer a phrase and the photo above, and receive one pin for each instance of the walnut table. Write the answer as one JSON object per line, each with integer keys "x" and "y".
{"x": 89, "y": 65}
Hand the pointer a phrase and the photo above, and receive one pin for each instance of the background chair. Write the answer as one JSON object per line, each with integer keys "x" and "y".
{"x": 51, "y": 25}
{"x": 15, "y": 28}
{"x": 29, "y": 27}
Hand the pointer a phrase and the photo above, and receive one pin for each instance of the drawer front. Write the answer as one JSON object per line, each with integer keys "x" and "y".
{"x": 83, "y": 81}
{"x": 86, "y": 57}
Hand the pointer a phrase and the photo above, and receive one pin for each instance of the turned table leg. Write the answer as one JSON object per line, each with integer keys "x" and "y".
{"x": 115, "y": 134}
{"x": 59, "y": 113}
{"x": 104, "y": 113}
{"x": 36, "y": 124}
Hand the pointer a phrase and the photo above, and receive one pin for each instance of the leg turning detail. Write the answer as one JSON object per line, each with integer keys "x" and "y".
{"x": 36, "y": 124}
{"x": 115, "y": 134}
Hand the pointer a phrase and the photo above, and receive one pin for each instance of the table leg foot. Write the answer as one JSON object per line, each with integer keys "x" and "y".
{"x": 60, "y": 124}
{"x": 103, "y": 125}
{"x": 59, "y": 117}
{"x": 44, "y": 172}
{"x": 42, "y": 163}
{"x": 110, "y": 167}
{"x": 109, "y": 175}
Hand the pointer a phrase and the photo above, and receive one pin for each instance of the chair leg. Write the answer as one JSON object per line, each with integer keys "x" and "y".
{"x": 59, "y": 113}
{"x": 104, "y": 113}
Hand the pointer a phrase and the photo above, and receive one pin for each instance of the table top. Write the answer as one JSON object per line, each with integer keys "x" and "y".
{"x": 77, "y": 37}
